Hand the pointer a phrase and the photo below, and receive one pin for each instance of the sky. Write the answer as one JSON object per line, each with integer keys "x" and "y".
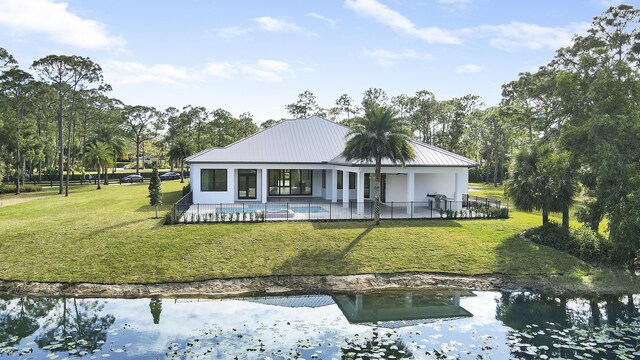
{"x": 257, "y": 56}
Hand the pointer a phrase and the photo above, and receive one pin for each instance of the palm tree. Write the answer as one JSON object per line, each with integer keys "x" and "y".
{"x": 110, "y": 136}
{"x": 378, "y": 135}
{"x": 180, "y": 150}
{"x": 98, "y": 155}
{"x": 563, "y": 185}
{"x": 541, "y": 180}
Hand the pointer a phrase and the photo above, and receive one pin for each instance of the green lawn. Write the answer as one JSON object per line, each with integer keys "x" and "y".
{"x": 497, "y": 192}
{"x": 110, "y": 236}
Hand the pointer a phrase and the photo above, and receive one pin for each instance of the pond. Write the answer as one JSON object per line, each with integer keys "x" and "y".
{"x": 429, "y": 324}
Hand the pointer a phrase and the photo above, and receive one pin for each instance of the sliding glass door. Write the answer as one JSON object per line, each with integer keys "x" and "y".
{"x": 285, "y": 182}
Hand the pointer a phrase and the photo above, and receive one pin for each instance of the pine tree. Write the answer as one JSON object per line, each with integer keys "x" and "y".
{"x": 155, "y": 191}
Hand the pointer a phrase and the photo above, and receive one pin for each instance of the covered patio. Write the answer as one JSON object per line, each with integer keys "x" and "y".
{"x": 319, "y": 209}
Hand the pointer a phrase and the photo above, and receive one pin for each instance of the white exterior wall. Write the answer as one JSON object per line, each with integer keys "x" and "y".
{"x": 212, "y": 197}
{"x": 396, "y": 185}
{"x": 441, "y": 180}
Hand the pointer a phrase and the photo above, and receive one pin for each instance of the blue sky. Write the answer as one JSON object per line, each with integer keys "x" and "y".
{"x": 259, "y": 55}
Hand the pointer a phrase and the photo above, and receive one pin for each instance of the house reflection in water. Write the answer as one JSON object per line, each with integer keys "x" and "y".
{"x": 398, "y": 309}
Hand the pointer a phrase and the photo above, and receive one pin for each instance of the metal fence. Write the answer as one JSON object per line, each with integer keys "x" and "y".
{"x": 470, "y": 200}
{"x": 76, "y": 179}
{"x": 182, "y": 206}
{"x": 185, "y": 212}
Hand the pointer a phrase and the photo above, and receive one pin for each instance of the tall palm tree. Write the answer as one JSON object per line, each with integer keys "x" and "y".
{"x": 541, "y": 180}
{"x": 378, "y": 135}
{"x": 180, "y": 150}
{"x": 99, "y": 155}
{"x": 111, "y": 136}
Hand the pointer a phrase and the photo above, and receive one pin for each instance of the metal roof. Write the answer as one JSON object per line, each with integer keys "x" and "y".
{"x": 309, "y": 301}
{"x": 312, "y": 141}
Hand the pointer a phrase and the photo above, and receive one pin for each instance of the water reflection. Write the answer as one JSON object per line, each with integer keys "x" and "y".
{"x": 407, "y": 324}
{"x": 399, "y": 309}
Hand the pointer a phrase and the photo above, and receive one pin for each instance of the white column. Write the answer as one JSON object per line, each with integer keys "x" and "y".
{"x": 345, "y": 189}
{"x": 360, "y": 191}
{"x": 334, "y": 185}
{"x": 411, "y": 188}
{"x": 457, "y": 195}
{"x": 265, "y": 185}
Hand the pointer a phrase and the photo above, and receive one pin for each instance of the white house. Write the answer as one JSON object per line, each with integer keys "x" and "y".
{"x": 301, "y": 159}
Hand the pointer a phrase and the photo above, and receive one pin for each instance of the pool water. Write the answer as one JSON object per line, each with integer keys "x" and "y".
{"x": 434, "y": 324}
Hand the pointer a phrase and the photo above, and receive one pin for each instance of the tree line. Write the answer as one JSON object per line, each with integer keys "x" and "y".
{"x": 57, "y": 119}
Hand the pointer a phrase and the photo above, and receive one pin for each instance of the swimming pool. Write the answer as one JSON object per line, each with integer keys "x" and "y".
{"x": 249, "y": 208}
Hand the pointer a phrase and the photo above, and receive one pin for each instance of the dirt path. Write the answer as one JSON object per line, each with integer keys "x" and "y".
{"x": 294, "y": 284}
{"x": 7, "y": 201}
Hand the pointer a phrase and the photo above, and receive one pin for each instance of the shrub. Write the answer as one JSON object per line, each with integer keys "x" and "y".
{"x": 582, "y": 242}
{"x": 168, "y": 218}
{"x": 186, "y": 189}
{"x": 11, "y": 188}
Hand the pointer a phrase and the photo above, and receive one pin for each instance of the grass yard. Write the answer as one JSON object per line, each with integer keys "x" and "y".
{"x": 110, "y": 236}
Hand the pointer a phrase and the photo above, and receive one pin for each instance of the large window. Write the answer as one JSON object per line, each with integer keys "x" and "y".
{"x": 213, "y": 180}
{"x": 352, "y": 180}
{"x": 284, "y": 182}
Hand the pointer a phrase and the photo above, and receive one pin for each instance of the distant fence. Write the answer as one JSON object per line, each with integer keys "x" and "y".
{"x": 76, "y": 179}
{"x": 470, "y": 200}
{"x": 186, "y": 212}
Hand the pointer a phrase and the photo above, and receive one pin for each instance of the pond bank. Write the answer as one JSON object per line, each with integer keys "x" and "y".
{"x": 310, "y": 285}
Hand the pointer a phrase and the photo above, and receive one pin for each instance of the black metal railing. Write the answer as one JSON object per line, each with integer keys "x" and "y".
{"x": 471, "y": 201}
{"x": 76, "y": 179}
{"x": 182, "y": 206}
{"x": 184, "y": 212}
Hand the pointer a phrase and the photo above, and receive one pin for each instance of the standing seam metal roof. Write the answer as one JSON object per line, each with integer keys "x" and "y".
{"x": 312, "y": 140}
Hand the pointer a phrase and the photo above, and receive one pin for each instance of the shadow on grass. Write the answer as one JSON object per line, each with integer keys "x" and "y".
{"x": 324, "y": 260}
{"x": 523, "y": 258}
{"x": 386, "y": 224}
{"x": 318, "y": 262}
{"x": 119, "y": 225}
{"x": 356, "y": 240}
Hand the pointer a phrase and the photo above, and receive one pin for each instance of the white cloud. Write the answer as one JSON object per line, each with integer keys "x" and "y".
{"x": 523, "y": 35}
{"x": 386, "y": 57}
{"x": 511, "y": 36}
{"x": 470, "y": 68}
{"x": 56, "y": 21}
{"x": 261, "y": 70}
{"x": 398, "y": 22}
{"x": 127, "y": 72}
{"x": 456, "y": 3}
{"x": 232, "y": 32}
{"x": 271, "y": 24}
{"x": 323, "y": 18}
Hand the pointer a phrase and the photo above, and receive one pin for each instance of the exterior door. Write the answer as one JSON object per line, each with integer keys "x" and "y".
{"x": 247, "y": 181}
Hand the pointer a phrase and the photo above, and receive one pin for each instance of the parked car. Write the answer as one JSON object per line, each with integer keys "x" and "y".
{"x": 131, "y": 179}
{"x": 170, "y": 176}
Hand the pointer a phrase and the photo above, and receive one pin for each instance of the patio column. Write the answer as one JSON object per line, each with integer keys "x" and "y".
{"x": 265, "y": 185}
{"x": 457, "y": 195}
{"x": 411, "y": 187}
{"x": 334, "y": 185}
{"x": 345, "y": 189}
{"x": 360, "y": 192}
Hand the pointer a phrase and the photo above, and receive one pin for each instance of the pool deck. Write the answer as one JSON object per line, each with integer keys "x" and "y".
{"x": 306, "y": 209}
